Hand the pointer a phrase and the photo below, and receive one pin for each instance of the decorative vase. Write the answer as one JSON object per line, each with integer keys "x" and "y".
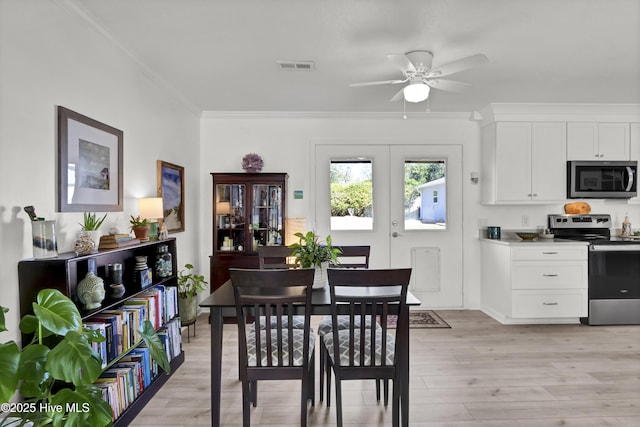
{"x": 164, "y": 262}
{"x": 117, "y": 290}
{"x": 87, "y": 242}
{"x": 91, "y": 291}
{"x": 44, "y": 239}
{"x": 188, "y": 309}
{"x": 320, "y": 279}
{"x": 141, "y": 232}
{"x": 141, "y": 263}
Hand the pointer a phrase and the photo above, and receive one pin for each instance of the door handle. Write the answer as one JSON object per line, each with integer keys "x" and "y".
{"x": 395, "y": 234}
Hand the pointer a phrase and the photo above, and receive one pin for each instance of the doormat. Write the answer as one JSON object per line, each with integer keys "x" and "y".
{"x": 421, "y": 319}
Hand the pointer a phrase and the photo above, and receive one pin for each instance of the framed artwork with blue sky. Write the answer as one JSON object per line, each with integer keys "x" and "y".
{"x": 171, "y": 189}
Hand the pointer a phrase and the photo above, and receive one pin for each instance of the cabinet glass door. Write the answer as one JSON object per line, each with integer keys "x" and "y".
{"x": 267, "y": 214}
{"x": 230, "y": 220}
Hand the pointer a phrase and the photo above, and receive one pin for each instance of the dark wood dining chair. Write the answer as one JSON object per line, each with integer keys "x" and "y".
{"x": 280, "y": 353}
{"x": 353, "y": 256}
{"x": 349, "y": 257}
{"x": 279, "y": 257}
{"x": 360, "y": 352}
{"x": 276, "y": 257}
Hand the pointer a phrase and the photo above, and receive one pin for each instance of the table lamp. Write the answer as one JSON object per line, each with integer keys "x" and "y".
{"x": 151, "y": 209}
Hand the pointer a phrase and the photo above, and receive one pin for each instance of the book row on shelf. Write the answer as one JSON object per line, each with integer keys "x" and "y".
{"x": 130, "y": 369}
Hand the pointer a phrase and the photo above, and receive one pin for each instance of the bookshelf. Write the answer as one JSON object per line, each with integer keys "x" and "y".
{"x": 159, "y": 300}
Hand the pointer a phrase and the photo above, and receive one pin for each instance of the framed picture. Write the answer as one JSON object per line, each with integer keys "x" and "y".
{"x": 171, "y": 189}
{"x": 89, "y": 164}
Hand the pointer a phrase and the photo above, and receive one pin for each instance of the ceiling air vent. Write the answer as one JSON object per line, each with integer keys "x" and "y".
{"x": 297, "y": 66}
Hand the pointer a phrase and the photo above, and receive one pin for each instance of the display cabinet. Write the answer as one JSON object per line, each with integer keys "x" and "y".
{"x": 65, "y": 271}
{"x": 249, "y": 210}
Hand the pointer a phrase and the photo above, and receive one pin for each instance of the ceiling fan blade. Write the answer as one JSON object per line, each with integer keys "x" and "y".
{"x": 459, "y": 65}
{"x": 401, "y": 62}
{"x": 448, "y": 85}
{"x": 398, "y": 96}
{"x": 382, "y": 82}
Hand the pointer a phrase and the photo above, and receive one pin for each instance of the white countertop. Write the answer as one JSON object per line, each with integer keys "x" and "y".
{"x": 539, "y": 241}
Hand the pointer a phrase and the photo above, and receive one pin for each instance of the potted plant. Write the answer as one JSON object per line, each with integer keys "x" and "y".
{"x": 140, "y": 227}
{"x": 189, "y": 284}
{"x": 311, "y": 252}
{"x": 89, "y": 238}
{"x": 54, "y": 372}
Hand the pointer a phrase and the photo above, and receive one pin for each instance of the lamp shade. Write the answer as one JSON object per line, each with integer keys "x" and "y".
{"x": 416, "y": 92}
{"x": 151, "y": 208}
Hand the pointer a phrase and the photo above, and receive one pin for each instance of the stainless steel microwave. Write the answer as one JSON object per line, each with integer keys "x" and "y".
{"x": 601, "y": 179}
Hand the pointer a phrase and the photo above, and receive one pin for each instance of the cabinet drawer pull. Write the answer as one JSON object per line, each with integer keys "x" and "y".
{"x": 624, "y": 291}
{"x": 549, "y": 303}
{"x": 549, "y": 275}
{"x": 549, "y": 253}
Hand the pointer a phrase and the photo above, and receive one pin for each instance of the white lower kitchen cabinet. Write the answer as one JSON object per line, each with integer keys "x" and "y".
{"x": 534, "y": 282}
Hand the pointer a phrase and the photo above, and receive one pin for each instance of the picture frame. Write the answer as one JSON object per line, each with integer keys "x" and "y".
{"x": 171, "y": 189}
{"x": 90, "y": 159}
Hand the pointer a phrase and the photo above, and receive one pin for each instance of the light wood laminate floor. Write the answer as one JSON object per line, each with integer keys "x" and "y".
{"x": 478, "y": 373}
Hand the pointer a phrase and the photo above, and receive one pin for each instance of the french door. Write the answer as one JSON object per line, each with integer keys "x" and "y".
{"x": 405, "y": 201}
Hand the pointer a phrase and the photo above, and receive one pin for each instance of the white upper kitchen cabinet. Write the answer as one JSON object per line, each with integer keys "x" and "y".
{"x": 635, "y": 141}
{"x": 523, "y": 162}
{"x": 635, "y": 150}
{"x": 598, "y": 141}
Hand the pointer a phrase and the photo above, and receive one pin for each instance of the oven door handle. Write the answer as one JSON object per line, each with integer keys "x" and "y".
{"x": 615, "y": 248}
{"x": 630, "y": 182}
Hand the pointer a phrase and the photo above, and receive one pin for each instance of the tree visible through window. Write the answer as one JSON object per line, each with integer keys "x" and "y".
{"x": 351, "y": 189}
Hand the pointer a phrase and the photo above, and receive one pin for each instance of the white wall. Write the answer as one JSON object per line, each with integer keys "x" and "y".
{"x": 285, "y": 142}
{"x": 49, "y": 56}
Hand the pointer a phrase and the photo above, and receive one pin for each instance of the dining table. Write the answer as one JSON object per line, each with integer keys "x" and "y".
{"x": 221, "y": 304}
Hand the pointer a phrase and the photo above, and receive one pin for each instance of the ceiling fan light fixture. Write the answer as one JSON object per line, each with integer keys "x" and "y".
{"x": 416, "y": 92}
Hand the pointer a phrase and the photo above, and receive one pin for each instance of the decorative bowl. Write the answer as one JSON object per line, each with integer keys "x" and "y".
{"x": 527, "y": 236}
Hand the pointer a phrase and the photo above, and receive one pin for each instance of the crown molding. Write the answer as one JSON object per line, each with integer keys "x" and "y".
{"x": 332, "y": 115}
{"x": 76, "y": 7}
{"x": 512, "y": 112}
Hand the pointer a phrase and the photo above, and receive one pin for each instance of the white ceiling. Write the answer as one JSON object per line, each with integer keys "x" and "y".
{"x": 220, "y": 55}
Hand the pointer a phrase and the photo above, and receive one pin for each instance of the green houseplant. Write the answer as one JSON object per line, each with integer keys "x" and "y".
{"x": 89, "y": 238}
{"x": 310, "y": 252}
{"x": 54, "y": 372}
{"x": 92, "y": 222}
{"x": 189, "y": 284}
{"x": 140, "y": 227}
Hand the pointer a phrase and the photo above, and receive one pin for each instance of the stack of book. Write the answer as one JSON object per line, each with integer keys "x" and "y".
{"x": 113, "y": 241}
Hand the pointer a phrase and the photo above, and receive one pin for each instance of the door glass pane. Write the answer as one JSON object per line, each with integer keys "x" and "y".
{"x": 267, "y": 215}
{"x": 425, "y": 195}
{"x": 230, "y": 217}
{"x": 351, "y": 186}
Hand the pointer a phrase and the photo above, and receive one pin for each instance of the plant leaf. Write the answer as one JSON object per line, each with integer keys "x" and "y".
{"x": 34, "y": 376}
{"x": 85, "y": 408}
{"x": 9, "y": 367}
{"x": 28, "y": 324}
{"x": 56, "y": 312}
{"x": 74, "y": 361}
{"x": 156, "y": 348}
{"x": 3, "y": 326}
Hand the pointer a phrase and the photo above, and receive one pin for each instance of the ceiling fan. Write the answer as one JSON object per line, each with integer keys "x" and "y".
{"x": 417, "y": 72}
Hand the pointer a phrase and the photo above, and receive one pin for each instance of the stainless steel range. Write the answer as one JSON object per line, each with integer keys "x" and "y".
{"x": 614, "y": 268}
